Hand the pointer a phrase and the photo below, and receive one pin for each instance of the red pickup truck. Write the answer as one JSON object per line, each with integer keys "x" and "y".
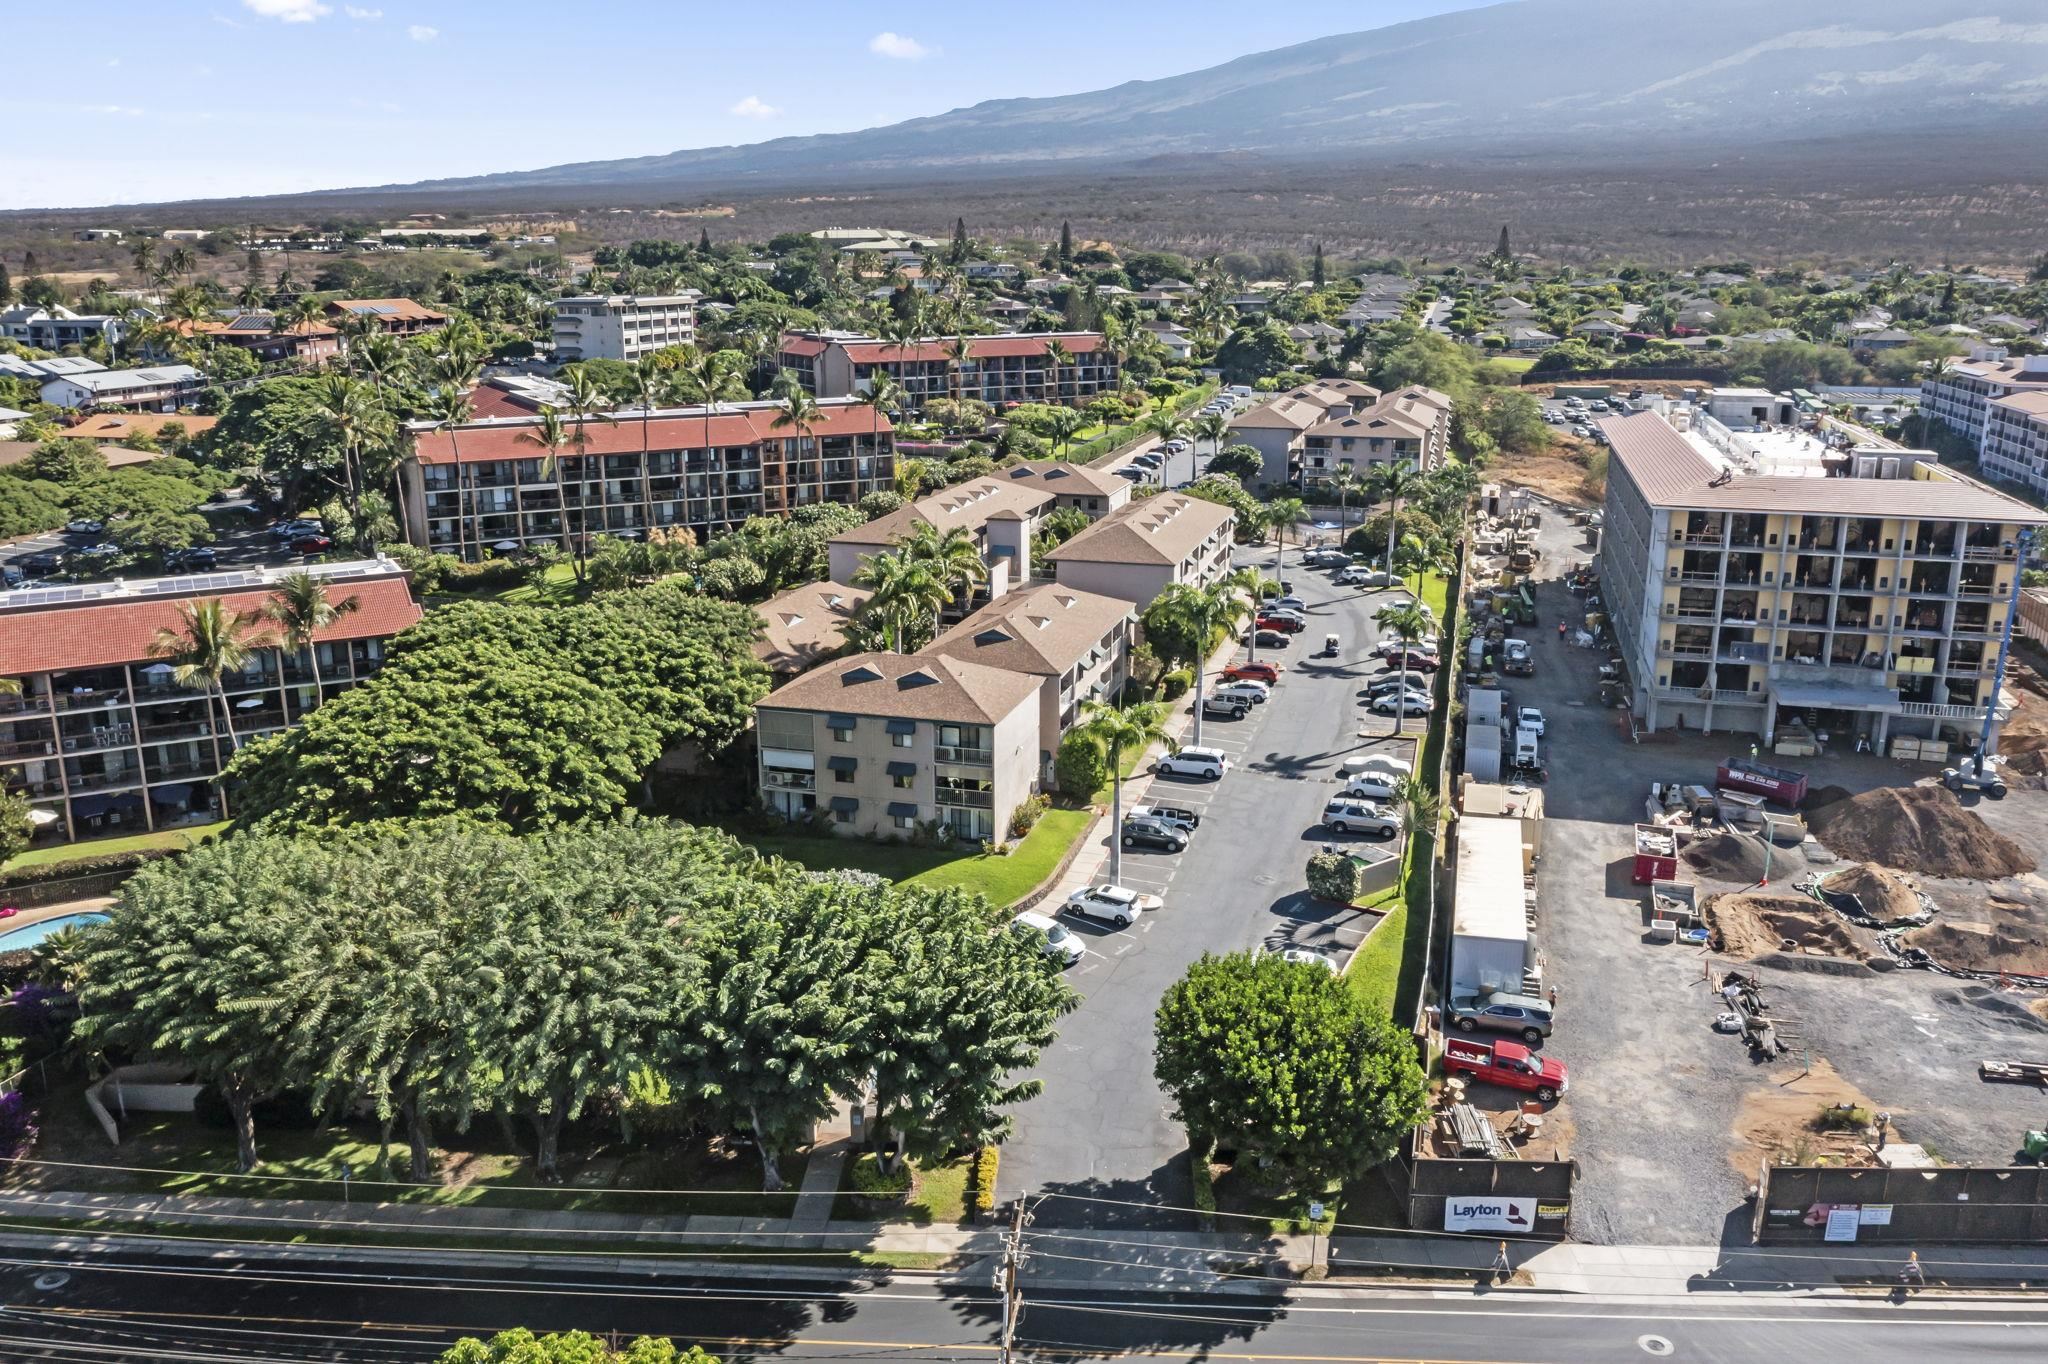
{"x": 1509, "y": 1064}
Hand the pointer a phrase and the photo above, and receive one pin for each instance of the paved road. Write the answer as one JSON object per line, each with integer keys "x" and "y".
{"x": 140, "y": 1307}
{"x": 1101, "y": 1128}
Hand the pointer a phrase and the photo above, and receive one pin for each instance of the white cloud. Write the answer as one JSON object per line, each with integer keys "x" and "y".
{"x": 422, "y": 33}
{"x": 754, "y": 107}
{"x": 896, "y": 45}
{"x": 362, "y": 16}
{"x": 290, "y": 11}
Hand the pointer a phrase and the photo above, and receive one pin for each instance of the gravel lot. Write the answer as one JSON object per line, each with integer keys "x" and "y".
{"x": 1655, "y": 1092}
{"x": 1101, "y": 1128}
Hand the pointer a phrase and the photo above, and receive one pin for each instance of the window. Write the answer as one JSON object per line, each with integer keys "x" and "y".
{"x": 903, "y": 740}
{"x": 902, "y": 821}
{"x": 843, "y": 775}
{"x": 903, "y": 781}
{"x": 843, "y": 813}
{"x": 842, "y": 734}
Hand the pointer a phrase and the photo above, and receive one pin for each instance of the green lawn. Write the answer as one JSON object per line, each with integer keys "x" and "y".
{"x": 58, "y": 853}
{"x": 1004, "y": 879}
{"x": 937, "y": 1196}
{"x": 1513, "y": 364}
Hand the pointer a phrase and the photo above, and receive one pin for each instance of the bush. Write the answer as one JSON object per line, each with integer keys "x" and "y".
{"x": 17, "y": 1123}
{"x": 983, "y": 1178}
{"x": 1176, "y": 684}
{"x": 871, "y": 1180}
{"x": 492, "y": 575}
{"x": 1200, "y": 1152}
{"x": 1081, "y": 768}
{"x": 83, "y": 866}
{"x": 1025, "y": 816}
{"x": 1333, "y": 876}
{"x": 1842, "y": 1118}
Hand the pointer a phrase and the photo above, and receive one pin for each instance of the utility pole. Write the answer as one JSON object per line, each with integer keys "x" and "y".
{"x": 1013, "y": 1297}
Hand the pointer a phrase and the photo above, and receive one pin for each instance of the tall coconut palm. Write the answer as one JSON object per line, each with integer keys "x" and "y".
{"x": 303, "y": 314}
{"x": 1283, "y": 514}
{"x": 1120, "y": 730}
{"x": 650, "y": 383}
{"x": 1406, "y": 621}
{"x": 348, "y": 410}
{"x": 1065, "y": 423}
{"x": 553, "y": 437}
{"x": 585, "y": 402}
{"x": 300, "y": 608}
{"x": 707, "y": 378}
{"x": 958, "y": 352}
{"x": 1346, "y": 482}
{"x": 448, "y": 407}
{"x": 1057, "y": 358}
{"x": 798, "y": 411}
{"x": 1248, "y": 585}
{"x": 1168, "y": 428}
{"x": 1395, "y": 484}
{"x": 1203, "y": 613}
{"x": 954, "y": 558}
{"x": 210, "y": 640}
{"x": 1213, "y": 427}
{"x": 883, "y": 394}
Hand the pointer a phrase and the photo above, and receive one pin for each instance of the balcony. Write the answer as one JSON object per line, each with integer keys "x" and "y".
{"x": 1940, "y": 712}
{"x": 1683, "y": 651}
{"x": 30, "y": 701}
{"x": 1983, "y": 553}
{"x": 87, "y": 700}
{"x": 1745, "y": 651}
{"x": 105, "y": 781}
{"x": 788, "y": 781}
{"x": 967, "y": 800}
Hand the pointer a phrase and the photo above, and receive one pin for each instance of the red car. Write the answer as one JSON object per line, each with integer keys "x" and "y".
{"x": 1286, "y": 623}
{"x": 1426, "y": 663}
{"x": 312, "y": 544}
{"x": 1251, "y": 672}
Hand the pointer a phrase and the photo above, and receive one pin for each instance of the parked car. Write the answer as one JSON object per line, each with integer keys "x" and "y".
{"x": 1529, "y": 717}
{"x": 1268, "y": 673}
{"x": 105, "y": 549}
{"x": 1421, "y": 662}
{"x": 1385, "y": 764}
{"x": 1135, "y": 475}
{"x": 1499, "y": 1011}
{"x": 1172, "y": 814}
{"x": 1225, "y": 707}
{"x": 1506, "y": 1063}
{"x": 1294, "y": 604}
{"x": 312, "y": 544}
{"x": 292, "y": 530}
{"x": 1250, "y": 692}
{"x": 1283, "y": 622}
{"x": 1206, "y": 764}
{"x": 1359, "y": 817}
{"x": 1364, "y": 577}
{"x": 1370, "y": 786}
{"x": 1055, "y": 938}
{"x": 1406, "y": 702}
{"x": 1326, "y": 558}
{"x": 1270, "y": 639}
{"x": 1387, "y": 682}
{"x": 85, "y": 527}
{"x": 41, "y": 563}
{"x": 1119, "y": 905}
{"x": 1153, "y": 833}
{"x": 1305, "y": 956}
{"x": 196, "y": 559}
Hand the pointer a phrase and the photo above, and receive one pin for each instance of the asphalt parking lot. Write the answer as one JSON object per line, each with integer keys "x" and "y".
{"x": 1656, "y": 1093}
{"x": 239, "y": 542}
{"x": 1101, "y": 1129}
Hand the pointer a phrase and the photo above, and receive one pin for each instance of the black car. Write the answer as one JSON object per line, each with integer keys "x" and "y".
{"x": 199, "y": 557}
{"x": 1154, "y": 833}
{"x": 41, "y": 563}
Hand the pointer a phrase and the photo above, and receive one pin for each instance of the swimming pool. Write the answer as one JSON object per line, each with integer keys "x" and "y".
{"x": 21, "y": 939}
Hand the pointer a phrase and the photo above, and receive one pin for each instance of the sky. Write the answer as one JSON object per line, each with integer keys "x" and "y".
{"x": 143, "y": 101}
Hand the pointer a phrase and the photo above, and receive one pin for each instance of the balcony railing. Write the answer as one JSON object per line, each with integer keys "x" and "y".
{"x": 1989, "y": 552}
{"x": 101, "y": 781}
{"x": 1684, "y": 651}
{"x": 789, "y": 781}
{"x": 1941, "y": 712}
{"x": 978, "y": 757}
{"x": 31, "y": 701}
{"x": 83, "y": 700}
{"x": 967, "y": 800}
{"x": 35, "y": 790}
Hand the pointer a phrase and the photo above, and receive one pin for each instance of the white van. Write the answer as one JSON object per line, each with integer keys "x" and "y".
{"x": 1205, "y": 764}
{"x": 1375, "y": 764}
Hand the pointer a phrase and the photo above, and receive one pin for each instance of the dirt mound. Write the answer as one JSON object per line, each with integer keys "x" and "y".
{"x": 1755, "y": 925}
{"x": 1917, "y": 828}
{"x": 2030, "y": 762}
{"x": 1821, "y": 796}
{"x": 1726, "y": 856}
{"x": 2010, "y": 946}
{"x": 1886, "y": 894}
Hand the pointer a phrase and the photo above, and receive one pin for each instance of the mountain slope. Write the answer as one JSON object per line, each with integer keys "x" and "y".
{"x": 1538, "y": 75}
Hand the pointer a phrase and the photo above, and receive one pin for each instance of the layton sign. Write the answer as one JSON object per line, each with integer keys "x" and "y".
{"x": 1489, "y": 1214}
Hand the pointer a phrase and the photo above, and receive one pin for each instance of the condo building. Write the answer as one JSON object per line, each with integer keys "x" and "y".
{"x": 623, "y": 326}
{"x": 1051, "y": 367}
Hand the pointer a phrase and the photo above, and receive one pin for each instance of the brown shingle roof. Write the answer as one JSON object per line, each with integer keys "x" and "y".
{"x": 1069, "y": 480}
{"x": 1671, "y": 473}
{"x": 1158, "y": 530}
{"x": 1042, "y": 630}
{"x": 907, "y": 687}
{"x": 804, "y": 626}
{"x": 971, "y": 505}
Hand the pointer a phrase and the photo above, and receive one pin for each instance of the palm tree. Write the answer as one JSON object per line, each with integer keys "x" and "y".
{"x": 347, "y": 409}
{"x": 1346, "y": 481}
{"x": 551, "y": 436}
{"x": 649, "y": 383}
{"x": 1167, "y": 427}
{"x": 799, "y": 410}
{"x": 883, "y": 394}
{"x": 1057, "y": 356}
{"x": 706, "y": 378}
{"x": 1282, "y": 514}
{"x": 904, "y": 590}
{"x": 954, "y": 558}
{"x": 1118, "y": 730}
{"x": 449, "y": 409}
{"x": 1419, "y": 808}
{"x": 1248, "y": 585}
{"x": 1205, "y": 613}
{"x": 211, "y": 640}
{"x": 585, "y": 402}
{"x": 301, "y": 609}
{"x": 1406, "y": 621}
{"x": 958, "y": 352}
{"x": 1395, "y": 484}
{"x": 1066, "y": 423}
{"x": 1214, "y": 428}
{"x": 302, "y": 314}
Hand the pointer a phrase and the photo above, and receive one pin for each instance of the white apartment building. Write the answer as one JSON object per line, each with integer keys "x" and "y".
{"x": 623, "y": 326}
{"x": 2016, "y": 437}
{"x": 1961, "y": 396}
{"x": 1758, "y": 576}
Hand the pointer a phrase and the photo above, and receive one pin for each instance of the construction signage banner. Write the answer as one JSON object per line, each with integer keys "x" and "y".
{"x": 1491, "y": 1213}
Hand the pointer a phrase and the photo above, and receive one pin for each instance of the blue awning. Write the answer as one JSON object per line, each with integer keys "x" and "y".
{"x": 897, "y": 807}
{"x": 839, "y": 764}
{"x": 177, "y": 793}
{"x": 902, "y": 769}
{"x": 903, "y": 726}
{"x": 844, "y": 805}
{"x": 89, "y": 807}
{"x": 840, "y": 722}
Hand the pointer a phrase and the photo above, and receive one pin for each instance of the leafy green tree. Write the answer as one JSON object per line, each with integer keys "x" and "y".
{"x": 1080, "y": 766}
{"x": 1257, "y": 350}
{"x": 521, "y": 1346}
{"x": 1514, "y": 420}
{"x": 71, "y": 462}
{"x": 157, "y": 533}
{"x": 1406, "y": 354}
{"x": 1281, "y": 1059}
{"x": 16, "y": 830}
{"x": 1241, "y": 462}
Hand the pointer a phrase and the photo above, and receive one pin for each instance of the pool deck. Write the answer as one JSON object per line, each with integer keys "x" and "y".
{"x": 41, "y": 912}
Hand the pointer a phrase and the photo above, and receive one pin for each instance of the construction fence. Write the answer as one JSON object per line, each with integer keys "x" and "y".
{"x": 1817, "y": 1205}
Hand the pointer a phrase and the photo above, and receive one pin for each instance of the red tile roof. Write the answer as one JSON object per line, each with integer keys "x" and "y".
{"x": 802, "y": 345}
{"x": 745, "y": 426}
{"x": 940, "y": 348}
{"x": 101, "y": 634}
{"x": 486, "y": 400}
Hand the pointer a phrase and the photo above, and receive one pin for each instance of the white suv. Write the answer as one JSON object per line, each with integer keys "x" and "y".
{"x": 1059, "y": 944}
{"x": 1208, "y": 764}
{"x": 1245, "y": 689}
{"x": 1118, "y": 904}
{"x": 1359, "y": 817}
